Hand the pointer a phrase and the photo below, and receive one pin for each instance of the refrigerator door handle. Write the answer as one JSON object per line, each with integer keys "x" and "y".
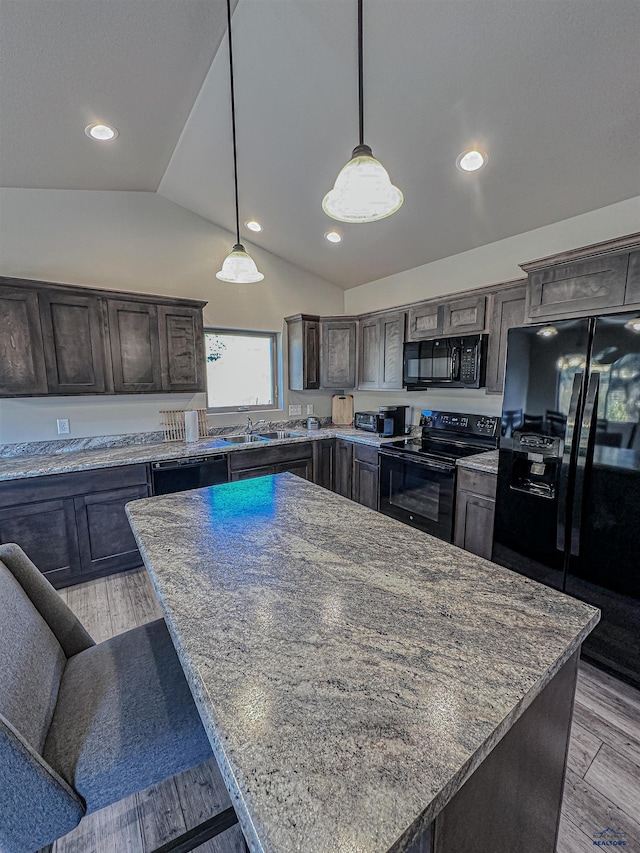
{"x": 584, "y": 444}
{"x": 567, "y": 456}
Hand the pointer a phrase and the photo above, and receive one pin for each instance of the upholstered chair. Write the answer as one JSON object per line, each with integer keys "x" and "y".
{"x": 83, "y": 725}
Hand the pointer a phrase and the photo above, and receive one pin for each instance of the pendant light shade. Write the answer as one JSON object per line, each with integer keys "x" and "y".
{"x": 238, "y": 267}
{"x": 363, "y": 191}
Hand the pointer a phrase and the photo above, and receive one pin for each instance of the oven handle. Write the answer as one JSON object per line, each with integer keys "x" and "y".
{"x": 425, "y": 463}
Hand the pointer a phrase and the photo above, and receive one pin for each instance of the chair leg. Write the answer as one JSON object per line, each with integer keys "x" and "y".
{"x": 199, "y": 834}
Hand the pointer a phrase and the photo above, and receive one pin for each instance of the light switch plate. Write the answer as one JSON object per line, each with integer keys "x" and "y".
{"x": 63, "y": 426}
{"x": 309, "y": 408}
{"x": 295, "y": 410}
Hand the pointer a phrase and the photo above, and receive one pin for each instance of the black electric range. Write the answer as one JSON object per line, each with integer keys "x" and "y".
{"x": 417, "y": 475}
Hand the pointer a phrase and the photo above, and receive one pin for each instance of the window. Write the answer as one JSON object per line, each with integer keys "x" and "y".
{"x": 242, "y": 370}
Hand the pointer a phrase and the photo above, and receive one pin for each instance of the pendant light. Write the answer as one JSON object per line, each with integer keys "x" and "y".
{"x": 363, "y": 191}
{"x": 238, "y": 267}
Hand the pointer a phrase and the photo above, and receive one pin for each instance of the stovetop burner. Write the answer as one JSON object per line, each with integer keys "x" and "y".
{"x": 450, "y": 436}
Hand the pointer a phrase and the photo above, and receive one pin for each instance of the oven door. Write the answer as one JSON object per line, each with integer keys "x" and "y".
{"x": 418, "y": 491}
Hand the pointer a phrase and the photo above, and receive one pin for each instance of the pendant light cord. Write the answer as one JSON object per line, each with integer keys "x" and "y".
{"x": 360, "y": 63}
{"x": 233, "y": 121}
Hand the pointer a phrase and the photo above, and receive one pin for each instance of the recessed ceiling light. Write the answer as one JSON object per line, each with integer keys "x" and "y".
{"x": 471, "y": 161}
{"x": 101, "y": 132}
{"x": 252, "y": 225}
{"x": 333, "y": 237}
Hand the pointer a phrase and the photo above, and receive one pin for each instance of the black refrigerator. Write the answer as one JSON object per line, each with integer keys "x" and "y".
{"x": 568, "y": 497}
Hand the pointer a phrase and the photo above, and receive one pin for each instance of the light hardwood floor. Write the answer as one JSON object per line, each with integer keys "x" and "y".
{"x": 602, "y": 789}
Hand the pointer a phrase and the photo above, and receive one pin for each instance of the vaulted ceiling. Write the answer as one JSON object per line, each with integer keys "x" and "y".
{"x": 548, "y": 88}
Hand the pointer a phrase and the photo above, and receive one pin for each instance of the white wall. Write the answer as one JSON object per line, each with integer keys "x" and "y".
{"x": 486, "y": 265}
{"x": 143, "y": 243}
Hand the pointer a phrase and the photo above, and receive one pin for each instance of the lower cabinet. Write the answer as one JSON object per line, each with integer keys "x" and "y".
{"x": 258, "y": 462}
{"x": 324, "y": 462}
{"x": 356, "y": 472}
{"x": 74, "y": 526}
{"x": 475, "y": 511}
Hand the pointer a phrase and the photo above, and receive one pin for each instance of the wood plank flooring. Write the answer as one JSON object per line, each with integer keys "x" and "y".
{"x": 602, "y": 788}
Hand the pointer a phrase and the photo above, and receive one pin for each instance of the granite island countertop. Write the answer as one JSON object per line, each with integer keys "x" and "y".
{"x": 351, "y": 673}
{"x": 41, "y": 465}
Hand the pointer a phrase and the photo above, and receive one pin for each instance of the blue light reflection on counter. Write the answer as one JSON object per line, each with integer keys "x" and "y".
{"x": 245, "y": 501}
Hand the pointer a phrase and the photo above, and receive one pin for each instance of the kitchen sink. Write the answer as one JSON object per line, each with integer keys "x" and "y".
{"x": 241, "y": 439}
{"x": 281, "y": 433}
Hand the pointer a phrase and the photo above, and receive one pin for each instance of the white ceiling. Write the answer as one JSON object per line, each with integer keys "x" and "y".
{"x": 549, "y": 88}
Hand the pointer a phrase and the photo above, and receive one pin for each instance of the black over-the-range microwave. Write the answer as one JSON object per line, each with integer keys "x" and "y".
{"x": 445, "y": 363}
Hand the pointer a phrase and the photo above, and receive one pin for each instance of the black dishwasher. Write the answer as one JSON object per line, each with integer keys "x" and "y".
{"x": 179, "y": 475}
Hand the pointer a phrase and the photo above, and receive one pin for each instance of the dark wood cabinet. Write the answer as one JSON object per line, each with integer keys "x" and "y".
{"x": 507, "y": 313}
{"x": 73, "y": 343}
{"x": 22, "y": 367}
{"x": 475, "y": 511}
{"x": 303, "y": 341}
{"x": 381, "y": 339}
{"x": 182, "y": 362}
{"x": 425, "y": 321}
{"x": 338, "y": 360}
{"x": 632, "y": 292}
{"x": 343, "y": 473}
{"x": 464, "y": 316}
{"x": 104, "y": 535}
{"x": 365, "y": 478}
{"x": 324, "y": 455}
{"x": 60, "y": 339}
{"x": 73, "y": 526}
{"x": 265, "y": 459}
{"x": 577, "y": 288}
{"x": 135, "y": 349}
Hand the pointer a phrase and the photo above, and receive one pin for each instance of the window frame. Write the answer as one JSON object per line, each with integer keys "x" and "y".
{"x": 276, "y": 371}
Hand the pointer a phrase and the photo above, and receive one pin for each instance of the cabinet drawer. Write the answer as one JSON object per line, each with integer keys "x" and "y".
{"x": 477, "y": 482}
{"x": 263, "y": 456}
{"x": 68, "y": 485}
{"x": 365, "y": 453}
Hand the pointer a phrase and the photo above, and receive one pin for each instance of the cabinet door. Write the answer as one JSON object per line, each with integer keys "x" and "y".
{"x": 104, "y": 533}
{"x": 425, "y": 321}
{"x": 182, "y": 358}
{"x": 474, "y": 523}
{"x": 73, "y": 343}
{"x": 249, "y": 473}
{"x": 338, "y": 363}
{"x": 508, "y": 313}
{"x": 391, "y": 344}
{"x": 22, "y": 368}
{"x": 324, "y": 462}
{"x": 135, "y": 351}
{"x": 46, "y": 531}
{"x": 343, "y": 466}
{"x": 303, "y": 344}
{"x": 632, "y": 293}
{"x": 302, "y": 468}
{"x": 578, "y": 288}
{"x": 369, "y": 359}
{"x": 365, "y": 483}
{"x": 464, "y": 316}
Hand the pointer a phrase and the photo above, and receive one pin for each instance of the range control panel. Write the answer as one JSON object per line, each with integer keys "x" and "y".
{"x": 485, "y": 425}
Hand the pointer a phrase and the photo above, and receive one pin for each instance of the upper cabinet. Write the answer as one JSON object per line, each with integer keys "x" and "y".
{"x": 464, "y": 316}
{"x": 303, "y": 335}
{"x": 592, "y": 280}
{"x": 22, "y": 369}
{"x": 507, "y": 313}
{"x": 338, "y": 359}
{"x": 63, "y": 340}
{"x": 425, "y": 321}
{"x": 381, "y": 338}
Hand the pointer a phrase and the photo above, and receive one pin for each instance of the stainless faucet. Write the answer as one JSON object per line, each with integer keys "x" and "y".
{"x": 251, "y": 426}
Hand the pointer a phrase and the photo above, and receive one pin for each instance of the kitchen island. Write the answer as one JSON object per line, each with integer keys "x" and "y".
{"x": 365, "y": 687}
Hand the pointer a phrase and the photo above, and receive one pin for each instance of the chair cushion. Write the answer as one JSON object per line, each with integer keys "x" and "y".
{"x": 125, "y": 718}
{"x": 31, "y": 664}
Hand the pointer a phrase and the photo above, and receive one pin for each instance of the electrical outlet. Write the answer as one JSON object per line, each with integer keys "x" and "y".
{"x": 63, "y": 426}
{"x": 295, "y": 410}
{"x": 309, "y": 408}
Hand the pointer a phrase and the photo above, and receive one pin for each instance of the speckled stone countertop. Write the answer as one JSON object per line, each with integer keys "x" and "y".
{"x": 487, "y": 462}
{"x": 20, "y": 467}
{"x": 351, "y": 672}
